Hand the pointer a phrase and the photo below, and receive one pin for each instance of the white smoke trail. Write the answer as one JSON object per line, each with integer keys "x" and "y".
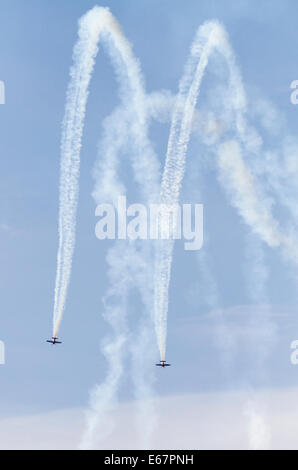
{"x": 258, "y": 429}
{"x": 96, "y": 22}
{"x": 181, "y": 125}
{"x": 104, "y": 396}
{"x": 261, "y": 321}
{"x": 72, "y": 128}
{"x": 235, "y": 176}
{"x": 137, "y": 275}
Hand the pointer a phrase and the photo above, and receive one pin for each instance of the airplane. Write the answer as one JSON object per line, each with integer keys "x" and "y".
{"x": 54, "y": 340}
{"x": 163, "y": 364}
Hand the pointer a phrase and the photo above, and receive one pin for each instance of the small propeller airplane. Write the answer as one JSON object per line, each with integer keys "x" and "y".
{"x": 163, "y": 364}
{"x": 54, "y": 340}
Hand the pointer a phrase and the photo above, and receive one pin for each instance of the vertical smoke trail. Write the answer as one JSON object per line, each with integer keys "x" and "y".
{"x": 206, "y": 39}
{"x": 119, "y": 134}
{"x": 260, "y": 321}
{"x": 236, "y": 177}
{"x": 259, "y": 432}
{"x": 72, "y": 127}
{"x": 96, "y": 22}
{"x": 104, "y": 396}
{"x": 143, "y": 351}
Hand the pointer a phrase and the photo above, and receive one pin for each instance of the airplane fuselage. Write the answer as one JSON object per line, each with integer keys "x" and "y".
{"x": 163, "y": 364}
{"x": 53, "y": 340}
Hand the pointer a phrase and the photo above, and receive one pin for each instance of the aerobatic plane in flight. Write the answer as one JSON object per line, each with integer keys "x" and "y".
{"x": 54, "y": 340}
{"x": 163, "y": 364}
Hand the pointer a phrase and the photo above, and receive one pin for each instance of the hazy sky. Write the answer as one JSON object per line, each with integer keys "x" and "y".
{"x": 247, "y": 342}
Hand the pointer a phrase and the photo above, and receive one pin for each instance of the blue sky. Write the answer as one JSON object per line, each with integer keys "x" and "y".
{"x": 36, "y": 42}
